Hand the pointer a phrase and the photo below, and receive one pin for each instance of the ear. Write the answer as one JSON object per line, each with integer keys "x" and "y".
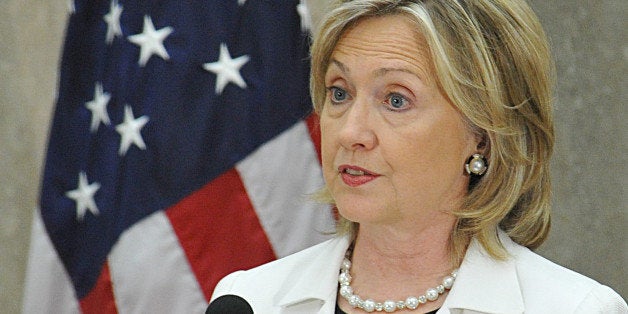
{"x": 482, "y": 143}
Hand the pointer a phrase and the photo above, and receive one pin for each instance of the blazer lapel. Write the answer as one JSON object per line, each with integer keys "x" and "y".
{"x": 314, "y": 284}
{"x": 485, "y": 285}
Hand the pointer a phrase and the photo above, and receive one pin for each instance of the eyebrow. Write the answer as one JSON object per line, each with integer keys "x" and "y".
{"x": 378, "y": 72}
{"x": 340, "y": 65}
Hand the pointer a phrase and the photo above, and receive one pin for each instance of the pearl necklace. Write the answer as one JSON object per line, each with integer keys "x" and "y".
{"x": 369, "y": 305}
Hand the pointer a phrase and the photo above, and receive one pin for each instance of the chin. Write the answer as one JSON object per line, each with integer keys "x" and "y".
{"x": 358, "y": 210}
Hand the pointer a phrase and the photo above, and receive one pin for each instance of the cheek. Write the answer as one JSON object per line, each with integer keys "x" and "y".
{"x": 428, "y": 154}
{"x": 411, "y": 160}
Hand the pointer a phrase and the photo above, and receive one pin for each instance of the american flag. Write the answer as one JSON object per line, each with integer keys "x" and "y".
{"x": 182, "y": 148}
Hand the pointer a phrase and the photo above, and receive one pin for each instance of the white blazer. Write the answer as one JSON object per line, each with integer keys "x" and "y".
{"x": 306, "y": 282}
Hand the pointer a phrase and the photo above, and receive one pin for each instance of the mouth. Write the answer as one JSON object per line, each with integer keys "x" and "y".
{"x": 355, "y": 176}
{"x": 355, "y": 171}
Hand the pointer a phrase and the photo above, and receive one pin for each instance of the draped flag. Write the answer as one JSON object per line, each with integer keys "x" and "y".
{"x": 182, "y": 148}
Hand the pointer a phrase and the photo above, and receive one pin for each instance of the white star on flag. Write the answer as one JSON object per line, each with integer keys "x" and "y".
{"x": 113, "y": 21}
{"x": 304, "y": 13}
{"x": 151, "y": 41}
{"x": 241, "y": 2}
{"x": 83, "y": 195}
{"x": 227, "y": 69}
{"x": 130, "y": 131}
{"x": 98, "y": 107}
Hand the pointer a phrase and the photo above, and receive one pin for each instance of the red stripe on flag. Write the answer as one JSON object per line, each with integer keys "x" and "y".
{"x": 313, "y": 125}
{"x": 220, "y": 231}
{"x": 100, "y": 299}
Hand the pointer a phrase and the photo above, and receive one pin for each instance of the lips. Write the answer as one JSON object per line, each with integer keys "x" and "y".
{"x": 354, "y": 176}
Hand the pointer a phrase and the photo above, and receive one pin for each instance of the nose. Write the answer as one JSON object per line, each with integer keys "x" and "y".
{"x": 357, "y": 132}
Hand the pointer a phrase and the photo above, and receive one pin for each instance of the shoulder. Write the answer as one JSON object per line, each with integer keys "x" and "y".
{"x": 545, "y": 284}
{"x": 275, "y": 271}
{"x": 603, "y": 299}
{"x": 265, "y": 285}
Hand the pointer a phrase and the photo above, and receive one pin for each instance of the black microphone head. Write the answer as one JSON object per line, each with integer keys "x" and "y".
{"x": 229, "y": 304}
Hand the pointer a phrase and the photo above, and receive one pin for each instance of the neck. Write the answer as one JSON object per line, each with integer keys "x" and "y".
{"x": 391, "y": 264}
{"x": 385, "y": 251}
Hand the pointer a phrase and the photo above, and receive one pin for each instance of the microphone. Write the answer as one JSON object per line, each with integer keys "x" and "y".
{"x": 229, "y": 304}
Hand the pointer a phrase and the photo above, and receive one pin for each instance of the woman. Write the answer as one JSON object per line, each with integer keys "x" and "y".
{"x": 436, "y": 132}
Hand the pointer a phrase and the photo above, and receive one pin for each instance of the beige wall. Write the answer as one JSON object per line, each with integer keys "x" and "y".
{"x": 591, "y": 47}
{"x": 30, "y": 42}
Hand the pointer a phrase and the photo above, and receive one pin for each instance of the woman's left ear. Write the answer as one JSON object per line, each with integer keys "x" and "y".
{"x": 476, "y": 164}
{"x": 482, "y": 146}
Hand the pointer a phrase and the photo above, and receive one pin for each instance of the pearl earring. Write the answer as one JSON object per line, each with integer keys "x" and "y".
{"x": 476, "y": 165}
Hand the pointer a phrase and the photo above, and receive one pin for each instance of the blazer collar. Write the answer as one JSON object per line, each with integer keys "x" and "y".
{"x": 483, "y": 284}
{"x": 486, "y": 285}
{"x": 317, "y": 280}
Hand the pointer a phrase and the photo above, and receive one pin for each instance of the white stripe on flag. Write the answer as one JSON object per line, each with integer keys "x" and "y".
{"x": 150, "y": 272}
{"x": 279, "y": 177}
{"x": 47, "y": 288}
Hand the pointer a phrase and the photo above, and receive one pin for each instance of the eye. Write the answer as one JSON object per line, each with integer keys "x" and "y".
{"x": 338, "y": 94}
{"x": 397, "y": 102}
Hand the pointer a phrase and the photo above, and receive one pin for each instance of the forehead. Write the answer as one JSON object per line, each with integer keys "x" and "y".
{"x": 393, "y": 40}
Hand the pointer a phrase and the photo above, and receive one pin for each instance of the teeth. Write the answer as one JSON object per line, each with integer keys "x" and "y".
{"x": 354, "y": 172}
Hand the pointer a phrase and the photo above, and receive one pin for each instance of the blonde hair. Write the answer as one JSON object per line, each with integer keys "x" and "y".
{"x": 491, "y": 59}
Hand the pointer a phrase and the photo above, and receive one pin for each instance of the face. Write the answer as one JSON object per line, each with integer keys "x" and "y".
{"x": 393, "y": 147}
